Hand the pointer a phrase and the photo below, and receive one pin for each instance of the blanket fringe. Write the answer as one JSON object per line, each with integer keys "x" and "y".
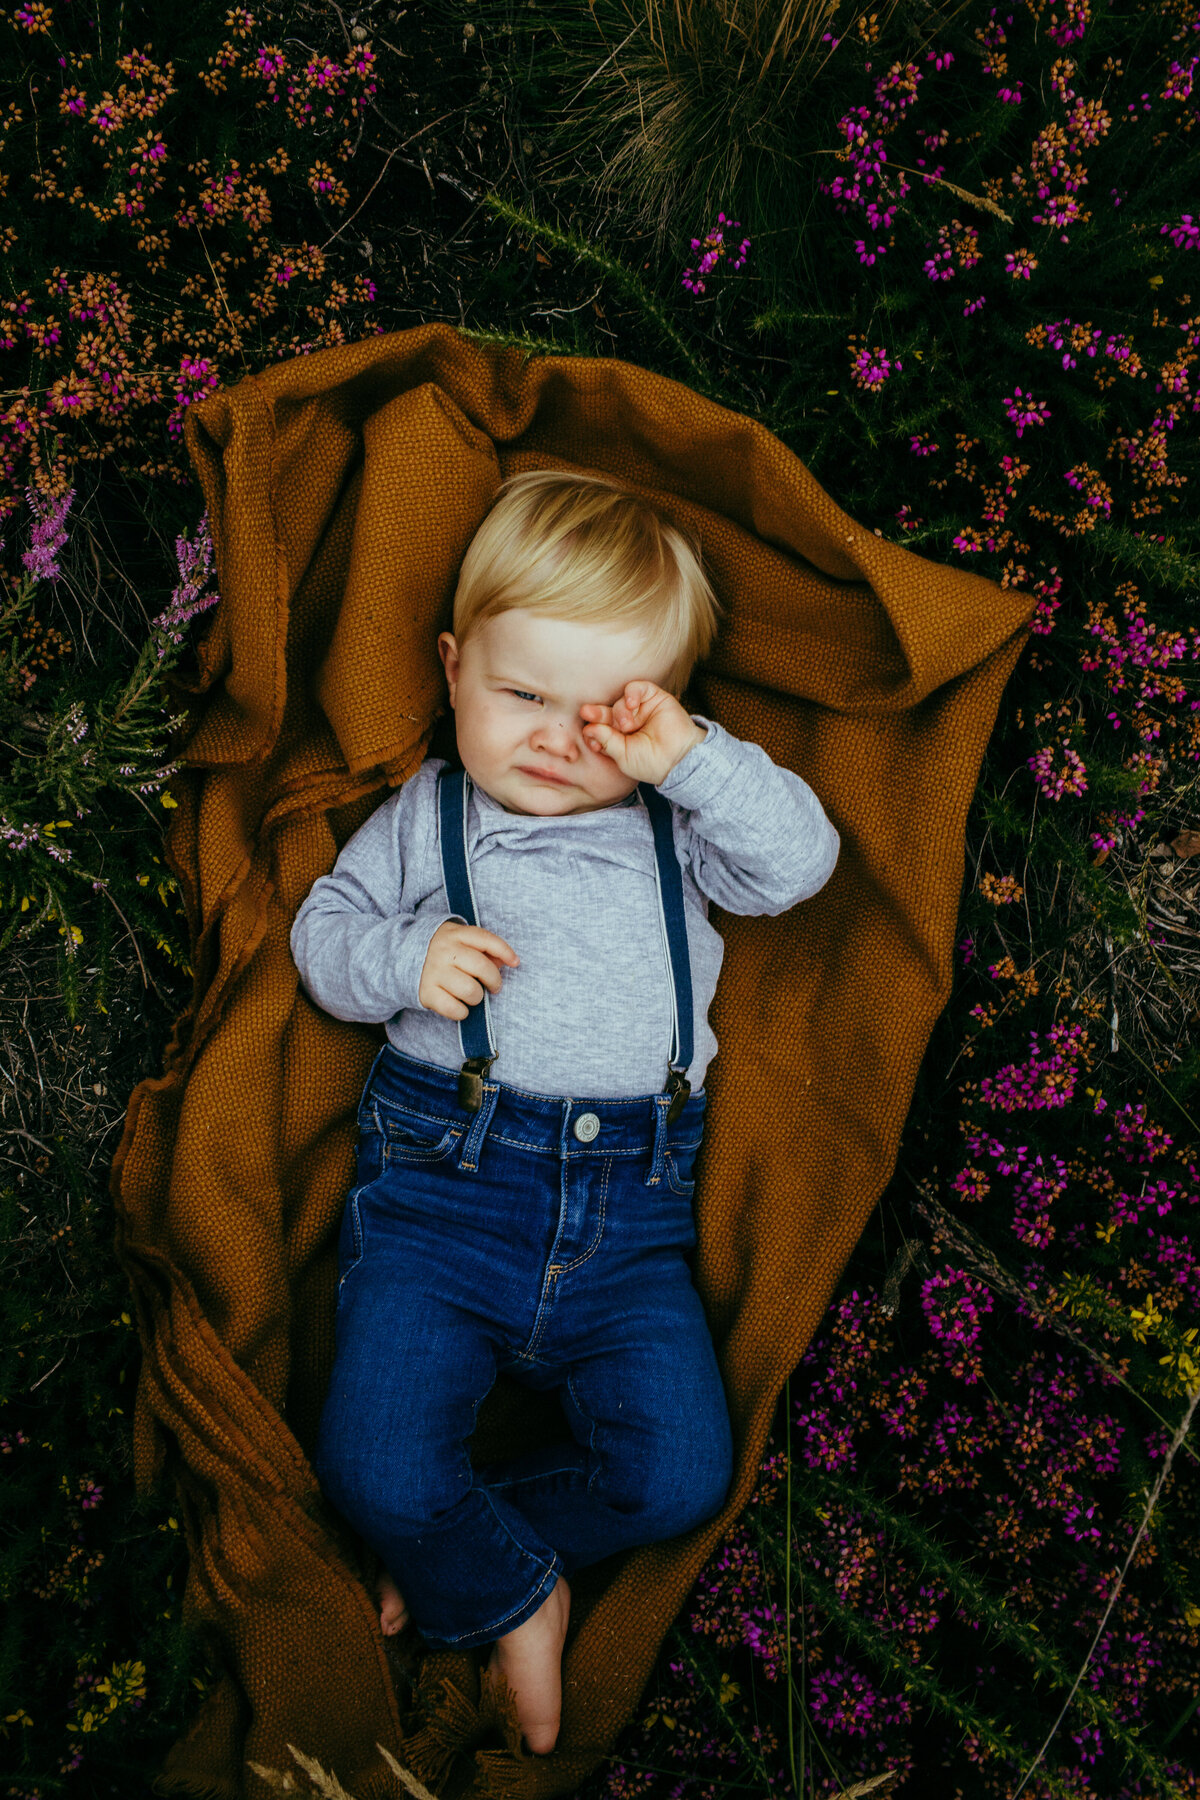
{"x": 448, "y": 1719}
{"x": 502, "y": 1774}
{"x": 498, "y": 1707}
{"x": 499, "y": 1775}
{"x": 183, "y": 1787}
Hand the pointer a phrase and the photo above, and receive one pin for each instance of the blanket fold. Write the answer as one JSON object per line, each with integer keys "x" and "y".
{"x": 342, "y": 489}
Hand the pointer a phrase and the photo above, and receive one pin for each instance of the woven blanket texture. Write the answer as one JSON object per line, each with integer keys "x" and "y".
{"x": 342, "y": 490}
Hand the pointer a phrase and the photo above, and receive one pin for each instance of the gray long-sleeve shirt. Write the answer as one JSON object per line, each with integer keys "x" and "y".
{"x": 587, "y": 1013}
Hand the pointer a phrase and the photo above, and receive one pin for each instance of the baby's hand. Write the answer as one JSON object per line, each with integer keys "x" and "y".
{"x": 460, "y": 962}
{"x": 646, "y": 733}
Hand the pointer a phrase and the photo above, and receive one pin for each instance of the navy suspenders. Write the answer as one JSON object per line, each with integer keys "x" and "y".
{"x": 475, "y": 1031}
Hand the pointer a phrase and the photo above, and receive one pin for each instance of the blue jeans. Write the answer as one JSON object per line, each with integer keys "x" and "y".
{"x": 542, "y": 1236}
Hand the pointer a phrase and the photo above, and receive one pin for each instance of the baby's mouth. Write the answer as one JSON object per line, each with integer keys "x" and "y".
{"x": 547, "y": 775}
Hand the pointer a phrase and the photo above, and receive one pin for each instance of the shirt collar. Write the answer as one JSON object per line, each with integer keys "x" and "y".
{"x": 483, "y": 797}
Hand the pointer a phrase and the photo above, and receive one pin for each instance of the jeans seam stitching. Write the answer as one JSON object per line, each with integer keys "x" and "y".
{"x": 547, "y": 1568}
{"x": 401, "y": 1153}
{"x": 544, "y": 1303}
{"x": 591, "y": 1443}
{"x": 595, "y": 1243}
{"x": 508, "y": 1615}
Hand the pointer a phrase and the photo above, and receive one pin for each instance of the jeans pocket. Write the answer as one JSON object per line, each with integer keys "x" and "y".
{"x": 411, "y": 1137}
{"x": 680, "y": 1166}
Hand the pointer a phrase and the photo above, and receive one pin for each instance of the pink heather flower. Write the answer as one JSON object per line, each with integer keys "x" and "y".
{"x": 1062, "y": 209}
{"x": 714, "y": 247}
{"x": 1138, "y": 1140}
{"x": 1071, "y": 778}
{"x": 197, "y": 377}
{"x": 869, "y": 369}
{"x": 324, "y": 74}
{"x": 1073, "y": 479}
{"x": 826, "y": 1443}
{"x": 1048, "y": 604}
{"x": 1055, "y": 335}
{"x": 1077, "y": 1522}
{"x": 1180, "y": 80}
{"x": 971, "y": 1184}
{"x": 843, "y": 1700}
{"x": 1074, "y": 24}
{"x": 1185, "y": 235}
{"x": 360, "y": 61}
{"x": 1035, "y": 1191}
{"x": 1024, "y": 410}
{"x": 954, "y": 1304}
{"x": 1039, "y": 1082}
{"x": 49, "y": 533}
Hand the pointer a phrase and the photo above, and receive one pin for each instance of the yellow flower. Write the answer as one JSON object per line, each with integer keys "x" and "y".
{"x": 1147, "y": 1319}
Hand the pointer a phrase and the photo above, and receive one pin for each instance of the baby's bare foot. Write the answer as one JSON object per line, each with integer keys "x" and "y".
{"x": 529, "y": 1659}
{"x": 393, "y": 1613}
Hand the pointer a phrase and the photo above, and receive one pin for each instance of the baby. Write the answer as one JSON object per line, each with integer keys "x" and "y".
{"x": 532, "y": 930}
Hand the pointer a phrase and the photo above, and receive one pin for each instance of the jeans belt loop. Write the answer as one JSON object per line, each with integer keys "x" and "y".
{"x": 468, "y": 1156}
{"x": 657, "y": 1159}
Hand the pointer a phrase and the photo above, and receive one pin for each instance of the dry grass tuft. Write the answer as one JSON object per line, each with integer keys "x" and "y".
{"x": 326, "y": 1784}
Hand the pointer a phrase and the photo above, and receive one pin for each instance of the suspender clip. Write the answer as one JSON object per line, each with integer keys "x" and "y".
{"x": 470, "y": 1081}
{"x": 679, "y": 1089}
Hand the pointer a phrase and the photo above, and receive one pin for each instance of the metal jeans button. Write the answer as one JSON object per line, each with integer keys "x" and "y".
{"x": 586, "y": 1126}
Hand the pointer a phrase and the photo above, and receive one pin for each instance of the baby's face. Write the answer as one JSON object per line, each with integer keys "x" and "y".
{"x": 517, "y": 689}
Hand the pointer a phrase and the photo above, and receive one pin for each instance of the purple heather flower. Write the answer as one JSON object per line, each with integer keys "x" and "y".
{"x": 49, "y": 532}
{"x": 194, "y": 560}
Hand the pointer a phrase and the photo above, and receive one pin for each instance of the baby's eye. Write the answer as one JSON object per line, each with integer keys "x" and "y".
{"x": 521, "y": 696}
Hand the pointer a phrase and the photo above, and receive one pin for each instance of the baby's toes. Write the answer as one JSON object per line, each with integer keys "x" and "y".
{"x": 393, "y": 1613}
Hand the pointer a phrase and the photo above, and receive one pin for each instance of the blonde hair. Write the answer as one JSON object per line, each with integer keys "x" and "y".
{"x": 579, "y": 547}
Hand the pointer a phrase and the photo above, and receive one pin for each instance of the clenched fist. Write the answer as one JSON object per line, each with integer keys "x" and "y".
{"x": 460, "y": 962}
{"x": 646, "y": 733}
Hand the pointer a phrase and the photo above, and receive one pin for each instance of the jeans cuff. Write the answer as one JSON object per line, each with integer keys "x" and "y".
{"x": 484, "y": 1634}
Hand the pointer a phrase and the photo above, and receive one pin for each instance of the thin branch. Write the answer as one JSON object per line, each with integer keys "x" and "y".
{"x": 1151, "y": 1503}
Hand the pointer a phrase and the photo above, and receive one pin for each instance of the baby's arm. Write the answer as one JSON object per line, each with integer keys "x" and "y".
{"x": 758, "y": 839}
{"x": 358, "y": 941}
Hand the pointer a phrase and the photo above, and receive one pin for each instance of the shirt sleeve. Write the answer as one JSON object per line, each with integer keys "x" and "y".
{"x": 757, "y": 838}
{"x": 358, "y": 941}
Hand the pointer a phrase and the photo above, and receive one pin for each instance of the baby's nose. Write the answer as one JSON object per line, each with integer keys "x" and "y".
{"x": 558, "y": 731}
